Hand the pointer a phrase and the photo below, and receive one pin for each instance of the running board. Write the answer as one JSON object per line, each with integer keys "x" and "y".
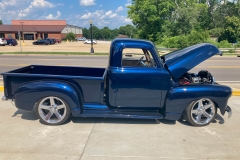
{"x": 103, "y": 111}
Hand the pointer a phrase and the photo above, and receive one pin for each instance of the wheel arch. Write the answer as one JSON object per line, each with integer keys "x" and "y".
{"x": 178, "y": 98}
{"x": 27, "y": 95}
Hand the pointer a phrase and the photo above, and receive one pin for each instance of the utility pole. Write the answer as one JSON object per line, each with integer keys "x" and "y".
{"x": 22, "y": 33}
{"x": 19, "y": 36}
{"x": 92, "y": 50}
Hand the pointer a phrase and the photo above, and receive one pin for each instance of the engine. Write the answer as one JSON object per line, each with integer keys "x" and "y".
{"x": 203, "y": 77}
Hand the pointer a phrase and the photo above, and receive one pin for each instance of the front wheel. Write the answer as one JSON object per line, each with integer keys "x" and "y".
{"x": 52, "y": 110}
{"x": 200, "y": 112}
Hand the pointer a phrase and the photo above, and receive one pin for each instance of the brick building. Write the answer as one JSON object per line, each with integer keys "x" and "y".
{"x": 33, "y": 29}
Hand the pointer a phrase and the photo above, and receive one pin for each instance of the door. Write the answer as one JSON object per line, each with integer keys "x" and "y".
{"x": 138, "y": 82}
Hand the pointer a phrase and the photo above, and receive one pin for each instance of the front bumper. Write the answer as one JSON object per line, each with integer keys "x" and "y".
{"x": 229, "y": 110}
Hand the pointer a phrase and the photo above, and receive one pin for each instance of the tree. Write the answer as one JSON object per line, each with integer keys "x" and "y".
{"x": 70, "y": 36}
{"x": 86, "y": 33}
{"x": 127, "y": 30}
{"x": 231, "y": 31}
{"x": 1, "y": 22}
{"x": 186, "y": 20}
{"x": 150, "y": 15}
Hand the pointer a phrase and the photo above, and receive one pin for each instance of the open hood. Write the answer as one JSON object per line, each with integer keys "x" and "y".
{"x": 181, "y": 61}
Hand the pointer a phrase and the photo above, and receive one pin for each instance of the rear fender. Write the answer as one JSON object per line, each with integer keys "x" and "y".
{"x": 180, "y": 97}
{"x": 28, "y": 94}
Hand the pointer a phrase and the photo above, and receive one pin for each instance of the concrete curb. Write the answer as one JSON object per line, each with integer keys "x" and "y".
{"x": 234, "y": 91}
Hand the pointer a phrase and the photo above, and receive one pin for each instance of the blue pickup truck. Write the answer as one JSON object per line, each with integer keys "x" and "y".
{"x": 142, "y": 85}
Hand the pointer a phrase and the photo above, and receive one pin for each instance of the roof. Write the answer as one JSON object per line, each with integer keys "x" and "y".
{"x": 31, "y": 28}
{"x": 39, "y": 22}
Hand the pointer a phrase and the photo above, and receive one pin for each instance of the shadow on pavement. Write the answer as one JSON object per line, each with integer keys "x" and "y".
{"x": 26, "y": 115}
{"x": 120, "y": 121}
{"x": 33, "y": 117}
{"x": 184, "y": 122}
{"x": 218, "y": 119}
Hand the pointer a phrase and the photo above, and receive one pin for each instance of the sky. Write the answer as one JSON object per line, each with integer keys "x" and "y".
{"x": 111, "y": 13}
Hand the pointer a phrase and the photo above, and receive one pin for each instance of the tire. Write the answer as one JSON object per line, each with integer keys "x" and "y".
{"x": 52, "y": 110}
{"x": 201, "y": 112}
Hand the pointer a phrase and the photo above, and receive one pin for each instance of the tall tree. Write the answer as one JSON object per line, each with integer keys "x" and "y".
{"x": 127, "y": 30}
{"x": 1, "y": 22}
{"x": 150, "y": 15}
{"x": 232, "y": 30}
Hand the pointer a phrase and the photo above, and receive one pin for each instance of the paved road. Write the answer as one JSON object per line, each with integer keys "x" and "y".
{"x": 24, "y": 137}
{"x": 222, "y": 68}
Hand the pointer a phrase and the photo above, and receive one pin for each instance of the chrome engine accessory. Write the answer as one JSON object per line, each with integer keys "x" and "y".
{"x": 203, "y": 77}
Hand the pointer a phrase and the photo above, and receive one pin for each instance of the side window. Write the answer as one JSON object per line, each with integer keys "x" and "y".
{"x": 135, "y": 57}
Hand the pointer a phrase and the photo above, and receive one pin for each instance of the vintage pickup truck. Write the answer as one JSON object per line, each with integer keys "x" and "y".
{"x": 142, "y": 85}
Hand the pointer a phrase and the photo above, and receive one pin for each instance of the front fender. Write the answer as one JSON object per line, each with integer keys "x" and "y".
{"x": 28, "y": 94}
{"x": 180, "y": 97}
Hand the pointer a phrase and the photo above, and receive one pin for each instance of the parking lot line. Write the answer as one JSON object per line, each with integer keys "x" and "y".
{"x": 236, "y": 92}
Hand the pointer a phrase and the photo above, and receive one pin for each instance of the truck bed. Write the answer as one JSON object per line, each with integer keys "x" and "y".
{"x": 89, "y": 80}
{"x": 60, "y": 71}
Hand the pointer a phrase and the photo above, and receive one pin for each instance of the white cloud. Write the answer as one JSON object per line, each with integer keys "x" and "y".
{"x": 128, "y": 4}
{"x": 100, "y": 5}
{"x": 119, "y": 9}
{"x": 50, "y": 16}
{"x": 7, "y": 3}
{"x": 35, "y": 5}
{"x": 9, "y": 9}
{"x": 100, "y": 19}
{"x": 128, "y": 20}
{"x": 87, "y": 2}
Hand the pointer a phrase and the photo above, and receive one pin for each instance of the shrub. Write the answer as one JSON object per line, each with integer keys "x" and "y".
{"x": 237, "y": 45}
{"x": 225, "y": 44}
{"x": 216, "y": 32}
{"x": 231, "y": 51}
{"x": 195, "y": 37}
{"x": 70, "y": 36}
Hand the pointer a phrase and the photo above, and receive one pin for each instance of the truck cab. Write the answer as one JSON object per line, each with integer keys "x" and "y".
{"x": 136, "y": 82}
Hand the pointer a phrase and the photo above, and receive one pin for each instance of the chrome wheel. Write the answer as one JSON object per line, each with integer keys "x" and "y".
{"x": 203, "y": 111}
{"x": 52, "y": 110}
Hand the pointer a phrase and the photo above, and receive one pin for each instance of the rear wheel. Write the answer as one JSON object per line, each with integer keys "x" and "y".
{"x": 53, "y": 110}
{"x": 200, "y": 112}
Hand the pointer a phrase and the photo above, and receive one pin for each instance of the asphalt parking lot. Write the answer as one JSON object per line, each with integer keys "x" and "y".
{"x": 24, "y": 137}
